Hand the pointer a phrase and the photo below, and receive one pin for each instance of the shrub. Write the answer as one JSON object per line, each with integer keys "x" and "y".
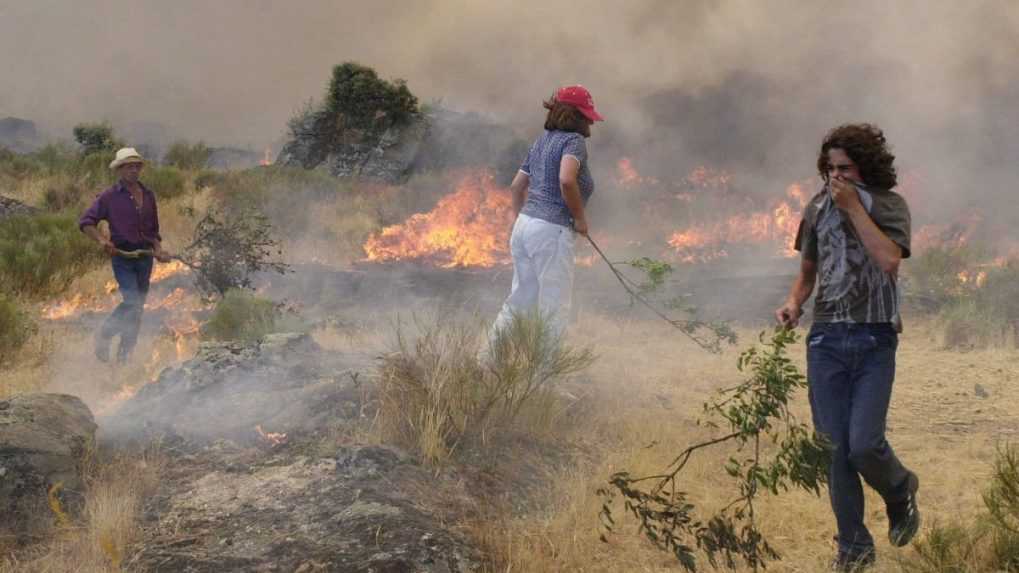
{"x": 227, "y": 249}
{"x": 436, "y": 393}
{"x": 969, "y": 324}
{"x": 41, "y": 254}
{"x": 240, "y": 315}
{"x": 164, "y": 180}
{"x": 184, "y": 155}
{"x": 16, "y": 327}
{"x": 96, "y": 138}
{"x": 64, "y": 194}
{"x": 358, "y": 99}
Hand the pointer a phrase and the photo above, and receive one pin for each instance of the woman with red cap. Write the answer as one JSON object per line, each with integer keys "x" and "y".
{"x": 549, "y": 195}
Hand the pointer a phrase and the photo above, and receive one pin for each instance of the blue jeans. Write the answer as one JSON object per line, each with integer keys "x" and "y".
{"x": 133, "y": 280}
{"x": 850, "y": 370}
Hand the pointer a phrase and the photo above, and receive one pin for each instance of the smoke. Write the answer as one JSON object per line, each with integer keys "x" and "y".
{"x": 745, "y": 84}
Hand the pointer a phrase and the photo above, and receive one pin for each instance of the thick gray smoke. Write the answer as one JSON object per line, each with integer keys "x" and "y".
{"x": 746, "y": 84}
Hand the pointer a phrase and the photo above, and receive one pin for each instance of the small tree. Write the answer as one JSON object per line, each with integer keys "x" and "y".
{"x": 756, "y": 409}
{"x": 227, "y": 249}
{"x": 188, "y": 155}
{"x": 96, "y": 138}
{"x": 358, "y": 99}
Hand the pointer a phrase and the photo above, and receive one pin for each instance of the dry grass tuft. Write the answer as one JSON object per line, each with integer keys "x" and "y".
{"x": 436, "y": 392}
{"x": 100, "y": 542}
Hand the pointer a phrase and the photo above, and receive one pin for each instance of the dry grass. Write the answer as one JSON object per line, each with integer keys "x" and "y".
{"x": 649, "y": 386}
{"x": 99, "y": 541}
{"x": 438, "y": 391}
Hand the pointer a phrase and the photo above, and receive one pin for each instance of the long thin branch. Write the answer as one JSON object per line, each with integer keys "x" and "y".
{"x": 624, "y": 280}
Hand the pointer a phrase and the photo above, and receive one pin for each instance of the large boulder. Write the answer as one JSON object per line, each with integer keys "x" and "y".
{"x": 362, "y": 509}
{"x": 285, "y": 383}
{"x": 44, "y": 440}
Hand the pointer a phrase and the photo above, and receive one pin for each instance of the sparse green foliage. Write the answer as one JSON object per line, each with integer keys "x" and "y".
{"x": 243, "y": 316}
{"x": 435, "y": 393}
{"x": 753, "y": 411}
{"x": 184, "y": 155}
{"x": 974, "y": 294}
{"x": 227, "y": 249}
{"x": 16, "y": 327}
{"x": 707, "y": 335}
{"x": 96, "y": 138}
{"x": 655, "y": 271}
{"x": 165, "y": 181}
{"x": 41, "y": 254}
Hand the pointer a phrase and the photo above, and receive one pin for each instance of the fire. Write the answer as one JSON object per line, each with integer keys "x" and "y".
{"x": 627, "y": 175}
{"x": 468, "y": 228}
{"x": 266, "y": 157}
{"x": 272, "y": 438}
{"x": 166, "y": 270}
{"x": 776, "y": 225}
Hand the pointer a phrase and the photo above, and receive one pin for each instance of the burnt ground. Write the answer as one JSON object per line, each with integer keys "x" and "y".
{"x": 311, "y": 494}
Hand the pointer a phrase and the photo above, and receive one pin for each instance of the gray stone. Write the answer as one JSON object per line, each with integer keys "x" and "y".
{"x": 44, "y": 440}
{"x": 283, "y": 383}
{"x": 12, "y": 207}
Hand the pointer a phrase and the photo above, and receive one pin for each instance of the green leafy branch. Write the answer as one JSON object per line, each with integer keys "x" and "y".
{"x": 707, "y": 335}
{"x": 755, "y": 409}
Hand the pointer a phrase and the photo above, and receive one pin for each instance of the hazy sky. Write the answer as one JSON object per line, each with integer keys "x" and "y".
{"x": 940, "y": 76}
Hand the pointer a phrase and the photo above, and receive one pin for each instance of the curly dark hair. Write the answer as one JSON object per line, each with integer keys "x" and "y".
{"x": 865, "y": 144}
{"x": 565, "y": 117}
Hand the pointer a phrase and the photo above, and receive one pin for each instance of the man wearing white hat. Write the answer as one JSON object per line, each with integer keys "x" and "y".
{"x": 130, "y": 210}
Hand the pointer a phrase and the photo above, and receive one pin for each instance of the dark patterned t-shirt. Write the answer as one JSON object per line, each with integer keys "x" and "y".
{"x": 851, "y": 287}
{"x": 544, "y": 195}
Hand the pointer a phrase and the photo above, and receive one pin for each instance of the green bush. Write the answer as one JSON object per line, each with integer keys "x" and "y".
{"x": 16, "y": 165}
{"x": 41, "y": 254}
{"x": 241, "y": 315}
{"x": 16, "y": 327}
{"x": 358, "y": 99}
{"x": 165, "y": 181}
{"x": 96, "y": 138}
{"x": 186, "y": 155}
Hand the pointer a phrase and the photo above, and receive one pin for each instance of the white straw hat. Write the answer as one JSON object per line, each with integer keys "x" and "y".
{"x": 126, "y": 155}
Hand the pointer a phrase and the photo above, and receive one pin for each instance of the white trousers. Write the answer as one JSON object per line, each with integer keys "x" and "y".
{"x": 543, "y": 269}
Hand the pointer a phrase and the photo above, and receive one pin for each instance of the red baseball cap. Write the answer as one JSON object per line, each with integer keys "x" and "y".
{"x": 580, "y": 98}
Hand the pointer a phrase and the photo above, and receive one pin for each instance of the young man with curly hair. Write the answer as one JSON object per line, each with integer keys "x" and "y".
{"x": 853, "y": 235}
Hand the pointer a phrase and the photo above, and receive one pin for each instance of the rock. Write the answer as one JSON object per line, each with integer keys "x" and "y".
{"x": 12, "y": 207}
{"x": 285, "y": 383}
{"x": 980, "y": 391}
{"x": 301, "y": 514}
{"x": 44, "y": 439}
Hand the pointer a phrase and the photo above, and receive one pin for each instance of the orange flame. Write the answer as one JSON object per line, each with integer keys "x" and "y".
{"x": 266, "y": 158}
{"x": 628, "y": 176}
{"x": 272, "y": 438}
{"x": 468, "y": 228}
{"x": 777, "y": 225}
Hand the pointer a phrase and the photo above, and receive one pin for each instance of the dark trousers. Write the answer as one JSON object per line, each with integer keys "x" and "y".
{"x": 850, "y": 370}
{"x": 133, "y": 280}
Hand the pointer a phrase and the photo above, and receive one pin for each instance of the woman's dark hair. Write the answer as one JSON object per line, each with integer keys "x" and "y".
{"x": 564, "y": 117}
{"x": 865, "y": 144}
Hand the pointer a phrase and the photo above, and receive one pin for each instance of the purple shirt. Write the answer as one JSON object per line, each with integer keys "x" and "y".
{"x": 130, "y": 227}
